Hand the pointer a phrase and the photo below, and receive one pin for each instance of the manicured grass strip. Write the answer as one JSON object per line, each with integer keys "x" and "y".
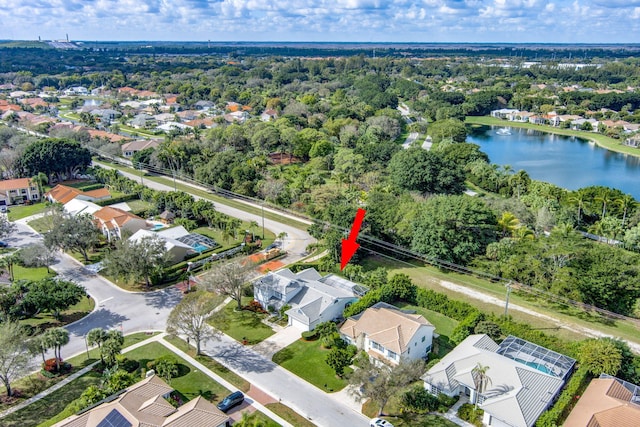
{"x": 288, "y": 414}
{"x": 23, "y": 211}
{"x": 243, "y": 325}
{"x": 210, "y": 196}
{"x": 306, "y": 359}
{"x": 601, "y": 140}
{"x": 31, "y": 273}
{"x": 81, "y": 359}
{"x": 444, "y": 325}
{"x": 207, "y": 361}
{"x": 51, "y": 405}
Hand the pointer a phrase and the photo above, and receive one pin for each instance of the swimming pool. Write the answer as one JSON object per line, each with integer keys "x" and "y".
{"x": 536, "y": 366}
{"x": 200, "y": 247}
{"x": 157, "y": 227}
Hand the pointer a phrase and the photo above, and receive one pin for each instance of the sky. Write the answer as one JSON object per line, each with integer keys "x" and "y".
{"x": 516, "y": 21}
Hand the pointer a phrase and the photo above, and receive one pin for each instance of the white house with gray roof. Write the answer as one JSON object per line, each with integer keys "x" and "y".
{"x": 524, "y": 378}
{"x": 313, "y": 298}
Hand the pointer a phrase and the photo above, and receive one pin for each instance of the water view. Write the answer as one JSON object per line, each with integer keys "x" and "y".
{"x": 568, "y": 162}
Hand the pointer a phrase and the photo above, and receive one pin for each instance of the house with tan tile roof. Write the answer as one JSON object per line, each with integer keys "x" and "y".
{"x": 113, "y": 221}
{"x": 145, "y": 404}
{"x": 607, "y": 402}
{"x": 389, "y": 334}
{"x": 64, "y": 194}
{"x": 131, "y": 148}
{"x": 17, "y": 191}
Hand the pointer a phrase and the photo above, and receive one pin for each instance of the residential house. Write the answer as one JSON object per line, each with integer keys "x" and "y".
{"x": 171, "y": 126}
{"x": 537, "y": 119}
{"x": 78, "y": 207}
{"x": 105, "y": 115}
{"x": 76, "y": 90}
{"x": 389, "y": 334}
{"x": 607, "y": 402}
{"x": 17, "y": 191}
{"x": 63, "y": 194}
{"x": 313, "y": 298}
{"x": 269, "y": 115}
{"x": 188, "y": 115}
{"x": 633, "y": 141}
{"x": 146, "y": 403}
{"x": 176, "y": 250}
{"x": 131, "y": 148}
{"x": 163, "y": 118}
{"x": 107, "y": 136}
{"x": 504, "y": 113}
{"x": 579, "y": 124}
{"x": 143, "y": 121}
{"x": 236, "y": 117}
{"x": 113, "y": 221}
{"x": 524, "y": 378}
{"x": 204, "y": 105}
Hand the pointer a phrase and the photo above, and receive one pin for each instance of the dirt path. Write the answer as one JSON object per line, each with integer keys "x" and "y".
{"x": 496, "y": 301}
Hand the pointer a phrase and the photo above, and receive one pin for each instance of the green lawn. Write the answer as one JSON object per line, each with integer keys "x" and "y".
{"x": 306, "y": 359}
{"x": 23, "y": 211}
{"x": 81, "y": 359}
{"x": 139, "y": 205}
{"x": 72, "y": 314}
{"x": 244, "y": 324}
{"x": 444, "y": 325}
{"x": 48, "y": 407}
{"x": 288, "y": 414}
{"x": 599, "y": 139}
{"x": 41, "y": 225}
{"x": 31, "y": 273}
{"x": 207, "y": 361}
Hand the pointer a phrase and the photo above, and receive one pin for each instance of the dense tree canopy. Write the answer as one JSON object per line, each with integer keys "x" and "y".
{"x": 54, "y": 157}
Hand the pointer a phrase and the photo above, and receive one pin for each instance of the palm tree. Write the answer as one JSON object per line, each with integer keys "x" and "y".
{"x": 40, "y": 180}
{"x": 625, "y": 203}
{"x": 7, "y": 263}
{"x": 283, "y": 235}
{"x": 481, "y": 379}
{"x": 57, "y": 338}
{"x": 579, "y": 198}
{"x": 97, "y": 336}
{"x": 605, "y": 198}
{"x": 508, "y": 224}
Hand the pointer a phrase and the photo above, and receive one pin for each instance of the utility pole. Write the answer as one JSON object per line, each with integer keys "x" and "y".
{"x": 506, "y": 305}
{"x": 262, "y": 206}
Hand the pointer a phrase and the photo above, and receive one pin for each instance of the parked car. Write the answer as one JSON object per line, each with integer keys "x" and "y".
{"x": 379, "y": 422}
{"x": 3, "y": 244}
{"x": 230, "y": 401}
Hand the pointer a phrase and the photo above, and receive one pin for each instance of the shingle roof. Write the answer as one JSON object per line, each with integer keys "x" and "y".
{"x": 143, "y": 405}
{"x": 390, "y": 327}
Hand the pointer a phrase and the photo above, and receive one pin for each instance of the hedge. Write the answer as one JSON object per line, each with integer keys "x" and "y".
{"x": 114, "y": 200}
{"x": 556, "y": 415}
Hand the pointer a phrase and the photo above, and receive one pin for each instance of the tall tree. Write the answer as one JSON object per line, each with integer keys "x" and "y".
{"x": 229, "y": 279}
{"x": 191, "y": 314}
{"x": 73, "y": 233}
{"x": 425, "y": 171}
{"x": 6, "y": 227}
{"x": 40, "y": 179}
{"x": 600, "y": 356}
{"x": 14, "y": 357}
{"x": 380, "y": 382}
{"x": 453, "y": 228}
{"x": 97, "y": 336}
{"x": 58, "y": 337}
{"x": 60, "y": 157}
{"x": 53, "y": 295}
{"x": 137, "y": 260}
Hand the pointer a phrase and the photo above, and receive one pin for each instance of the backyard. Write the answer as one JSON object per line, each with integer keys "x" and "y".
{"x": 306, "y": 359}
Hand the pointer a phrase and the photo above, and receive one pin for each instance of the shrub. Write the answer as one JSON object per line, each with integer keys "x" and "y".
{"x": 419, "y": 401}
{"x": 446, "y": 402}
{"x": 309, "y": 335}
{"x": 255, "y": 307}
{"x": 114, "y": 200}
{"x": 469, "y": 413}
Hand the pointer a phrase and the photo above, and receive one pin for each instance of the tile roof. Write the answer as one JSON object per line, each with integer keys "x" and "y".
{"x": 64, "y": 194}
{"x": 605, "y": 403}
{"x": 108, "y": 214}
{"x": 14, "y": 184}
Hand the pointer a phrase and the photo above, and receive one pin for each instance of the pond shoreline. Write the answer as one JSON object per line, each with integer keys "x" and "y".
{"x": 600, "y": 140}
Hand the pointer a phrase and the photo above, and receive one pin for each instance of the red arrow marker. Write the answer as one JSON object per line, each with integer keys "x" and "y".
{"x": 349, "y": 246}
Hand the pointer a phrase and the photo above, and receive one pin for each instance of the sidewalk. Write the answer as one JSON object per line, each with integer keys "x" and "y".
{"x": 67, "y": 380}
{"x": 253, "y": 394}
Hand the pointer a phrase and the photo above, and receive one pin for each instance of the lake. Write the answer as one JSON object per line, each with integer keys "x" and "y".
{"x": 566, "y": 161}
